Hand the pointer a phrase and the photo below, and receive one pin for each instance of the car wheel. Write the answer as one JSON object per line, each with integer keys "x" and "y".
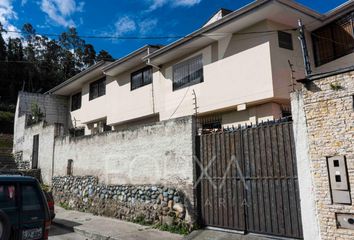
{"x": 4, "y": 226}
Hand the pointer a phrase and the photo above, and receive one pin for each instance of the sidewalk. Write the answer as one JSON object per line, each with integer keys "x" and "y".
{"x": 99, "y": 228}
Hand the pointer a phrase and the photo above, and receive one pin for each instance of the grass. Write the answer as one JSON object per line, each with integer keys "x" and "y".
{"x": 181, "y": 228}
{"x": 64, "y": 205}
{"x": 7, "y": 116}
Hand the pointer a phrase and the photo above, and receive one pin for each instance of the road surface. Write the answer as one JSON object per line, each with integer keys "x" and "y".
{"x": 57, "y": 233}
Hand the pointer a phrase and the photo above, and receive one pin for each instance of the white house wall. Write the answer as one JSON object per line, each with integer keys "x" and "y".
{"x": 125, "y": 104}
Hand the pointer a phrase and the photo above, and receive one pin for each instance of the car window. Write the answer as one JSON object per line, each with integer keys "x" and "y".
{"x": 7, "y": 196}
{"x": 30, "y": 198}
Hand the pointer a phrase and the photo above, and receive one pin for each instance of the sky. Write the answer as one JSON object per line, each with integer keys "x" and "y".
{"x": 123, "y": 18}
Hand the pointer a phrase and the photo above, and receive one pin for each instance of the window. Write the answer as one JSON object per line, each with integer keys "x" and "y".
{"x": 285, "y": 40}
{"x": 188, "y": 73}
{"x": 30, "y": 198}
{"x": 76, "y": 101}
{"x": 97, "y": 89}
{"x": 141, "y": 78}
{"x": 77, "y": 132}
{"x": 7, "y": 196}
{"x": 334, "y": 40}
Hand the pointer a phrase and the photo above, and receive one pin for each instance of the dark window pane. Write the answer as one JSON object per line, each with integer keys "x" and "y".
{"x": 76, "y": 101}
{"x": 188, "y": 73}
{"x": 147, "y": 76}
{"x": 30, "y": 198}
{"x": 97, "y": 88}
{"x": 102, "y": 87}
{"x": 285, "y": 40}
{"x": 141, "y": 78}
{"x": 7, "y": 196}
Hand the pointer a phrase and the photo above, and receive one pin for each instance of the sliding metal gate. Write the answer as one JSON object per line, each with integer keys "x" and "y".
{"x": 248, "y": 180}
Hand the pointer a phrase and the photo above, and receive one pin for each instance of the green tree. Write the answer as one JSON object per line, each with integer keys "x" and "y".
{"x": 104, "y": 55}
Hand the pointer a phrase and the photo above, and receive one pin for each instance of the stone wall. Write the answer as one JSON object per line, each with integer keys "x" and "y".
{"x": 148, "y": 204}
{"x": 327, "y": 107}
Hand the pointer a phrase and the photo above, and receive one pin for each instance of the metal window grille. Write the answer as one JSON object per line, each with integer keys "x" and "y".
{"x": 285, "y": 40}
{"x": 188, "y": 73}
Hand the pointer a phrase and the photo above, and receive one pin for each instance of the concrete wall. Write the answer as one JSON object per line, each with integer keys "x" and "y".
{"x": 24, "y": 145}
{"x": 160, "y": 153}
{"x": 329, "y": 122}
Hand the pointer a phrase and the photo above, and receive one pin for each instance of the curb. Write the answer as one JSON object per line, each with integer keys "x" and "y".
{"x": 83, "y": 232}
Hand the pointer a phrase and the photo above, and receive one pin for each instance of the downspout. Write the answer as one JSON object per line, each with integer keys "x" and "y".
{"x": 152, "y": 82}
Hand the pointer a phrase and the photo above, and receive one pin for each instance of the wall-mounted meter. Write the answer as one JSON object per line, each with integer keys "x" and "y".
{"x": 338, "y": 177}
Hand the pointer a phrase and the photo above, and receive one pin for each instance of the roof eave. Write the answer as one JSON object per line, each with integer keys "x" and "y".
{"x": 77, "y": 76}
{"x": 245, "y": 9}
{"x": 136, "y": 53}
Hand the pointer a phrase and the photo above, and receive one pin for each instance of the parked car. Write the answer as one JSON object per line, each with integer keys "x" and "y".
{"x": 24, "y": 212}
{"x": 50, "y": 201}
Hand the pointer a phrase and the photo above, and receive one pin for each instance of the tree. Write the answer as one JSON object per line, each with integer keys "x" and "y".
{"x": 89, "y": 55}
{"x": 2, "y": 45}
{"x": 104, "y": 55}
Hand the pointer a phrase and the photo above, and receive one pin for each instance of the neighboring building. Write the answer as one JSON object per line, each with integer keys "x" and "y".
{"x": 323, "y": 113}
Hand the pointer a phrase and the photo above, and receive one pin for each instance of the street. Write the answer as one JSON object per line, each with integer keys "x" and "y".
{"x": 57, "y": 233}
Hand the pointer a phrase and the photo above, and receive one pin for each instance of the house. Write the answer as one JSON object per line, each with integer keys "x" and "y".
{"x": 129, "y": 120}
{"x": 233, "y": 70}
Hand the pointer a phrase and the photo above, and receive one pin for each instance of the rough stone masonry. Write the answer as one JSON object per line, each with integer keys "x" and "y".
{"x": 323, "y": 112}
{"x": 147, "y": 204}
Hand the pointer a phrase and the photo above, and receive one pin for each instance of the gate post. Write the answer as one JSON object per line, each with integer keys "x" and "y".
{"x": 309, "y": 219}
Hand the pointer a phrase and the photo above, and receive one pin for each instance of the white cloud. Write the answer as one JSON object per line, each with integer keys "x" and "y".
{"x": 23, "y": 2}
{"x": 186, "y": 3}
{"x": 125, "y": 25}
{"x": 7, "y": 14}
{"x": 132, "y": 24}
{"x": 155, "y": 4}
{"x": 147, "y": 25}
{"x": 60, "y": 11}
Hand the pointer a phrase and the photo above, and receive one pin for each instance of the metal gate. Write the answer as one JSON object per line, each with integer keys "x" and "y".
{"x": 248, "y": 180}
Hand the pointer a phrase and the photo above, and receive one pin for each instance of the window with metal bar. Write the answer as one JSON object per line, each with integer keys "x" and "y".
{"x": 97, "y": 88}
{"x": 285, "y": 40}
{"x": 188, "y": 73}
{"x": 141, "y": 78}
{"x": 334, "y": 40}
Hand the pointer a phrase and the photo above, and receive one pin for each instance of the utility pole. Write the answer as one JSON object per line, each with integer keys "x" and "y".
{"x": 292, "y": 77}
{"x": 305, "y": 53}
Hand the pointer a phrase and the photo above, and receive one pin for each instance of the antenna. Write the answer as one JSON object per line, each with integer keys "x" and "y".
{"x": 305, "y": 53}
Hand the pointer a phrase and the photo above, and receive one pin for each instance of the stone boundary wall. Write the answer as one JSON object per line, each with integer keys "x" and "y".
{"x": 149, "y": 204}
{"x": 328, "y": 129}
{"x": 158, "y": 154}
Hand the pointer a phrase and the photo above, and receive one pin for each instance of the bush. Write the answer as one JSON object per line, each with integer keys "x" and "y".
{"x": 6, "y": 122}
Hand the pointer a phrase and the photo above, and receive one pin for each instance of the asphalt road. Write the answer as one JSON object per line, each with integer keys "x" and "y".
{"x": 57, "y": 233}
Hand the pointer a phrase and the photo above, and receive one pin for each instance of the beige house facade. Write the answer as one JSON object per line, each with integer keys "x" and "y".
{"x": 234, "y": 70}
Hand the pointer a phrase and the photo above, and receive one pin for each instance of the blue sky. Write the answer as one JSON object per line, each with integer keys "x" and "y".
{"x": 123, "y": 18}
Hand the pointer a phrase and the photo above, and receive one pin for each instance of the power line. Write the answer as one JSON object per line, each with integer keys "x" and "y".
{"x": 153, "y": 37}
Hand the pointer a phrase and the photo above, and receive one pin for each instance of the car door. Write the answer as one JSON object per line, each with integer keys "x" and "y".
{"x": 9, "y": 202}
{"x": 32, "y": 212}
